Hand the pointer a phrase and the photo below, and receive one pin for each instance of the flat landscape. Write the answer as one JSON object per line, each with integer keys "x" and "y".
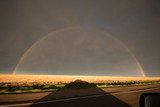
{"x": 67, "y": 79}
{"x": 45, "y": 83}
{"x": 62, "y": 90}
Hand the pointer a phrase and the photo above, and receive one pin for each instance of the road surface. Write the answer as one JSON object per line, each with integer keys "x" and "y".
{"x": 111, "y": 97}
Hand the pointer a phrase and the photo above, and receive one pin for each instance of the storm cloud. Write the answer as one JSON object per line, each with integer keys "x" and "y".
{"x": 135, "y": 23}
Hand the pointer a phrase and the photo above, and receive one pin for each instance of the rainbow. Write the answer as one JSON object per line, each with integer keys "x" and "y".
{"x": 49, "y": 34}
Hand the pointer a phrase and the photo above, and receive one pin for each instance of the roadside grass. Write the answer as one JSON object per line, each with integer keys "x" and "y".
{"x": 10, "y": 87}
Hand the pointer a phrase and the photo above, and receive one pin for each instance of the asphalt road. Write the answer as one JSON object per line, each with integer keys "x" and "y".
{"x": 109, "y": 97}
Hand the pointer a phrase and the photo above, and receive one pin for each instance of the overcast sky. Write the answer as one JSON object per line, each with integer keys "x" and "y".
{"x": 127, "y": 31}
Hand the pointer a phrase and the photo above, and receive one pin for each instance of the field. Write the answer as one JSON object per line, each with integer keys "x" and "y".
{"x": 40, "y": 83}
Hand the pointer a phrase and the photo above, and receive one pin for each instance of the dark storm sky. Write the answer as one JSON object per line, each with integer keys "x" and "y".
{"x": 134, "y": 22}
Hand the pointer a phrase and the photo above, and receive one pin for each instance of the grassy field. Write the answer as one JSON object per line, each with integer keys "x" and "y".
{"x": 39, "y": 83}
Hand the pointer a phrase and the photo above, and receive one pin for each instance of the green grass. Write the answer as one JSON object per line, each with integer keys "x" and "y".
{"x": 78, "y": 84}
{"x": 126, "y": 83}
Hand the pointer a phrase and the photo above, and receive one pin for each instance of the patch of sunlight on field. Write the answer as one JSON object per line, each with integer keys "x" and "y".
{"x": 65, "y": 79}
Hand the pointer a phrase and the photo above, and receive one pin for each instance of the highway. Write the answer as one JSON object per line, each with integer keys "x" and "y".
{"x": 108, "y": 97}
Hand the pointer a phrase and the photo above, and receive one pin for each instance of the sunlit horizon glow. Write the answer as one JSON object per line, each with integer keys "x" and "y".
{"x": 67, "y": 78}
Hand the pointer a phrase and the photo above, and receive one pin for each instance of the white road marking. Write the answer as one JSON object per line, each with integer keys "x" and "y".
{"x": 75, "y": 98}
